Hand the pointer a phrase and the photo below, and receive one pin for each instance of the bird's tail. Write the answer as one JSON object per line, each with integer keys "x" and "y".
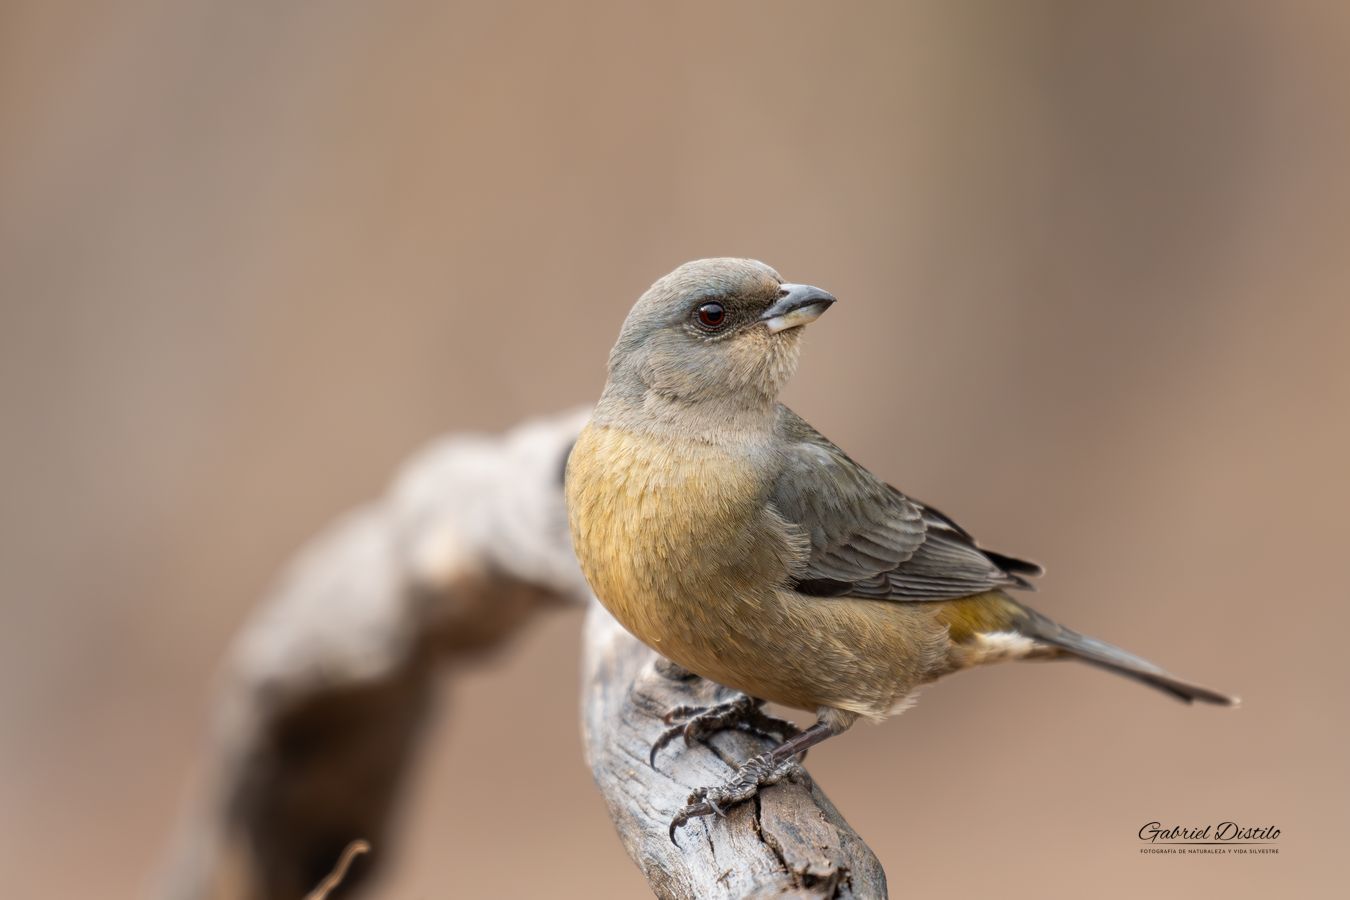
{"x": 1114, "y": 659}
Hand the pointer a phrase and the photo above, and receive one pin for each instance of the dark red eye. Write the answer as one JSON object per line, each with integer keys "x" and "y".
{"x": 711, "y": 315}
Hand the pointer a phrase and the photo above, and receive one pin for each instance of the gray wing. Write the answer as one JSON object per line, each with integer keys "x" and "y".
{"x": 869, "y": 540}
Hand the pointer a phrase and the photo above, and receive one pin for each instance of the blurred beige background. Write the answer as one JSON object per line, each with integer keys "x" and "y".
{"x": 1094, "y": 264}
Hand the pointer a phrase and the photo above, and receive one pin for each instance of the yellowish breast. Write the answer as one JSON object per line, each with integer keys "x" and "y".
{"x": 667, "y": 531}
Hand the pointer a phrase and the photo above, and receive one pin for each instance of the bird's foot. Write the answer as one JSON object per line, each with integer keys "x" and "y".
{"x": 758, "y": 772}
{"x": 702, "y": 722}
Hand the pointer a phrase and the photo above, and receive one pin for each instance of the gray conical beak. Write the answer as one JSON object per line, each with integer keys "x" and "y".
{"x": 797, "y": 305}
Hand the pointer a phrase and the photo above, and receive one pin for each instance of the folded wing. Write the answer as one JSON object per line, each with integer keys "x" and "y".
{"x": 869, "y": 540}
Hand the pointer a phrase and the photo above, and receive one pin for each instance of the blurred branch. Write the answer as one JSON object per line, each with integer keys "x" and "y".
{"x": 326, "y": 689}
{"x": 789, "y": 842}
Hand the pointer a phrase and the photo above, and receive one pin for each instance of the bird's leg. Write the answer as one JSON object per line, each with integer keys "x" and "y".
{"x": 699, "y": 723}
{"x": 759, "y": 771}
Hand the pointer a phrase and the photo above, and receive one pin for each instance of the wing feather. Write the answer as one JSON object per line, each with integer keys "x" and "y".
{"x": 869, "y": 540}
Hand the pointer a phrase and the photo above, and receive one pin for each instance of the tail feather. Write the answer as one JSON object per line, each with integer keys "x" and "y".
{"x": 1114, "y": 659}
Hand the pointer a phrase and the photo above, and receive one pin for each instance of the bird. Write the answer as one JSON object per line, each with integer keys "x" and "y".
{"x": 738, "y": 542}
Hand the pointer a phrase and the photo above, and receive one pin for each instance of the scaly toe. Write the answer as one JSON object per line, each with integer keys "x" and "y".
{"x": 698, "y": 723}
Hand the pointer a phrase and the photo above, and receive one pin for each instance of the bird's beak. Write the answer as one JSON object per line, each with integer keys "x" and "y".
{"x": 797, "y": 304}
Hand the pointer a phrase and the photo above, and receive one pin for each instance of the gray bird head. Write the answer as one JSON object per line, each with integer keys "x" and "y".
{"x": 719, "y": 331}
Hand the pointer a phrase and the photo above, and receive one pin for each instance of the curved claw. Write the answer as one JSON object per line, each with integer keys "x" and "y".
{"x": 665, "y": 738}
{"x": 693, "y": 811}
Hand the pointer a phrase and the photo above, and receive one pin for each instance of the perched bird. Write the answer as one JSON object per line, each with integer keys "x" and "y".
{"x": 731, "y": 537}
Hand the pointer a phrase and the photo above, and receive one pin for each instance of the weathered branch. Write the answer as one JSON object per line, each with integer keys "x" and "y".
{"x": 789, "y": 842}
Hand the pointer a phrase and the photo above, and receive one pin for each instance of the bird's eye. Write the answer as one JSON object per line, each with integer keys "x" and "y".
{"x": 712, "y": 316}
